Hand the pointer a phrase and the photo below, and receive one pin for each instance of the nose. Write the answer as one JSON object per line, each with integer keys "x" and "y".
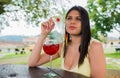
{"x": 72, "y": 20}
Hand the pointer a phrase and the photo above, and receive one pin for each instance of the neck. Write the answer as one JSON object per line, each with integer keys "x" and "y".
{"x": 76, "y": 39}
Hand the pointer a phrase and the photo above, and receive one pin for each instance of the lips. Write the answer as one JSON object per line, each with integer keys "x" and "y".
{"x": 72, "y": 27}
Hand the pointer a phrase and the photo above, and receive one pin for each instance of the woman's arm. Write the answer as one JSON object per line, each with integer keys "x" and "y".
{"x": 37, "y": 58}
{"x": 97, "y": 60}
{"x": 36, "y": 52}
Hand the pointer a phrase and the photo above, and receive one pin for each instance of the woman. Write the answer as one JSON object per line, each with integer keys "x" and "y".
{"x": 82, "y": 54}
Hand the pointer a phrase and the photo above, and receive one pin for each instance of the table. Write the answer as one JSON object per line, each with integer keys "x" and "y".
{"x": 23, "y": 71}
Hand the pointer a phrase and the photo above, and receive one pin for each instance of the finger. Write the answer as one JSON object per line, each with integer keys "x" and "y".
{"x": 51, "y": 21}
{"x": 44, "y": 25}
{"x": 47, "y": 23}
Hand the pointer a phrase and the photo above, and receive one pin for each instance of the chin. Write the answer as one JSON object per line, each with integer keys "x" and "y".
{"x": 75, "y": 34}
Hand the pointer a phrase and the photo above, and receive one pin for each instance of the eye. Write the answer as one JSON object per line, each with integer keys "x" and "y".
{"x": 78, "y": 18}
{"x": 69, "y": 18}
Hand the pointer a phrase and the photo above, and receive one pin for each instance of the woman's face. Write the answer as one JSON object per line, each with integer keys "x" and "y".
{"x": 73, "y": 23}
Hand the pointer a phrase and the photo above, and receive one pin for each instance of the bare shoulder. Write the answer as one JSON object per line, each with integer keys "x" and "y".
{"x": 95, "y": 47}
{"x": 95, "y": 44}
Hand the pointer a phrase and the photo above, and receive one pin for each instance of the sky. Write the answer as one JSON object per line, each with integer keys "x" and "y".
{"x": 18, "y": 28}
{"x": 21, "y": 28}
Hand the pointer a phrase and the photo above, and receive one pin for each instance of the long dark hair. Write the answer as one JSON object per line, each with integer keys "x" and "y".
{"x": 85, "y": 33}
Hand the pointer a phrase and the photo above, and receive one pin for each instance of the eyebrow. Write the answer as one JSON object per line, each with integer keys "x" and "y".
{"x": 71, "y": 16}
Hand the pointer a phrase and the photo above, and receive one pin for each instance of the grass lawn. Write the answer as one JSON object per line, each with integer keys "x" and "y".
{"x": 113, "y": 65}
{"x": 23, "y": 59}
{"x": 113, "y": 55}
{"x": 11, "y": 58}
{"x": 12, "y": 55}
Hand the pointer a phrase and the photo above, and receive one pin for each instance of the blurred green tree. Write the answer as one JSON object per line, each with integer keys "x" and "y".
{"x": 2, "y": 3}
{"x": 105, "y": 16}
{"x": 32, "y": 11}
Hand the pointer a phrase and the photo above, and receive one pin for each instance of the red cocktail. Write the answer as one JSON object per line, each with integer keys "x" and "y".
{"x": 51, "y": 47}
